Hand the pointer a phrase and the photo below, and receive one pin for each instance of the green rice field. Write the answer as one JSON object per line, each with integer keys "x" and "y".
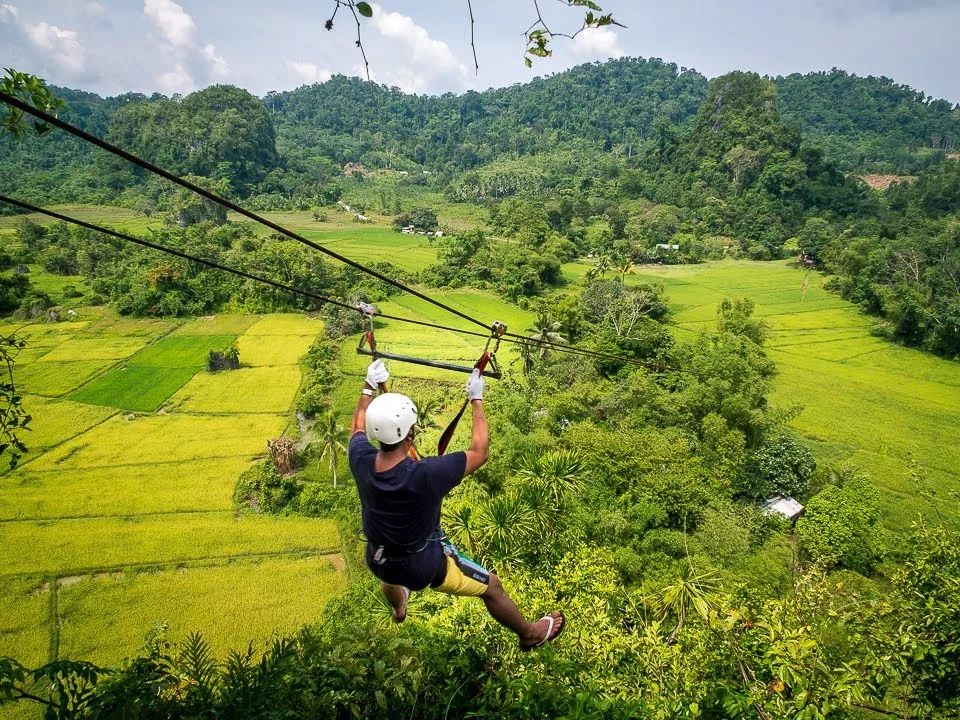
{"x": 890, "y": 410}
{"x": 120, "y": 518}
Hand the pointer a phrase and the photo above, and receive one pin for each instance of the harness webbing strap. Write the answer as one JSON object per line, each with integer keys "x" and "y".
{"x": 447, "y": 435}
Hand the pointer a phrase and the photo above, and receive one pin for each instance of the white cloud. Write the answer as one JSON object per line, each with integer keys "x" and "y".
{"x": 597, "y": 43}
{"x": 63, "y": 45}
{"x": 307, "y": 72}
{"x": 8, "y": 13}
{"x": 171, "y": 21}
{"x": 177, "y": 80}
{"x": 218, "y": 66}
{"x": 429, "y": 60}
{"x": 94, "y": 8}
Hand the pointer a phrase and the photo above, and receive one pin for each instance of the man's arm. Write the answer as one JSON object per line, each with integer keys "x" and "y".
{"x": 377, "y": 375}
{"x": 480, "y": 435}
{"x": 360, "y": 414}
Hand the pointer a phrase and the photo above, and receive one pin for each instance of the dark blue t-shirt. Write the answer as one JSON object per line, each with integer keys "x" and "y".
{"x": 401, "y": 507}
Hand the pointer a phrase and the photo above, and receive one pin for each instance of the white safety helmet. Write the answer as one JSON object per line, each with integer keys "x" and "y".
{"x": 390, "y": 417}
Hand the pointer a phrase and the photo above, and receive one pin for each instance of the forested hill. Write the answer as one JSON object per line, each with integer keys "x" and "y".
{"x": 287, "y": 141}
{"x": 866, "y": 123}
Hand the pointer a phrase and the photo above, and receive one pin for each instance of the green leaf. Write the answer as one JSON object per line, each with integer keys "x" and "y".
{"x": 364, "y": 9}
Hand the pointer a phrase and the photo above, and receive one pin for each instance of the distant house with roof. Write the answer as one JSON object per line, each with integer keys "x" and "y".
{"x": 783, "y": 505}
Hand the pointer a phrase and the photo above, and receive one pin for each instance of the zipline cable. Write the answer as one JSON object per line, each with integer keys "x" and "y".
{"x": 529, "y": 342}
{"x": 213, "y": 197}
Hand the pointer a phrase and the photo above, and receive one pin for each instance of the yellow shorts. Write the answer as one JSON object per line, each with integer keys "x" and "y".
{"x": 464, "y": 578}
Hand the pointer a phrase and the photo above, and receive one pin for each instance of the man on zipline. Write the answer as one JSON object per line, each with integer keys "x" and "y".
{"x": 401, "y": 497}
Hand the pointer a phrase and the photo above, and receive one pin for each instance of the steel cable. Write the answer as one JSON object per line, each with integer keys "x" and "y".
{"x": 514, "y": 339}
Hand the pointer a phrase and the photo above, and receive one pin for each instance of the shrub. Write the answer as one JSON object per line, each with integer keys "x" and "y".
{"x": 324, "y": 500}
{"x": 33, "y": 305}
{"x": 226, "y": 359}
{"x": 840, "y": 527}
{"x": 781, "y": 466}
{"x": 263, "y": 489}
{"x": 13, "y": 289}
{"x": 340, "y": 322}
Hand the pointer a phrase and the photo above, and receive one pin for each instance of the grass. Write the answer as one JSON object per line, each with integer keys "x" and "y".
{"x": 186, "y": 486}
{"x": 115, "y": 217}
{"x": 216, "y": 325}
{"x": 25, "y": 623}
{"x": 56, "y": 421}
{"x": 247, "y": 390}
{"x": 103, "y": 491}
{"x": 88, "y": 545}
{"x": 285, "y": 325}
{"x": 268, "y": 598}
{"x": 188, "y": 351}
{"x": 53, "y": 285}
{"x": 143, "y": 440}
{"x": 861, "y": 398}
{"x": 370, "y": 243}
{"x": 96, "y": 348}
{"x": 140, "y": 388}
{"x": 55, "y": 378}
{"x": 258, "y": 350}
{"x": 152, "y": 375}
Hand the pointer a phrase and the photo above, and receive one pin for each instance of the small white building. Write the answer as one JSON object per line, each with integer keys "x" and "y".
{"x": 667, "y": 246}
{"x": 783, "y": 505}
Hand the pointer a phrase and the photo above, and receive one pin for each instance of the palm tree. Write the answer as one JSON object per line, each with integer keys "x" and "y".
{"x": 604, "y": 265}
{"x": 426, "y": 414}
{"x": 526, "y": 357}
{"x": 504, "y": 524}
{"x": 331, "y": 440}
{"x": 689, "y": 591}
{"x": 558, "y": 473}
{"x": 545, "y": 330}
{"x": 625, "y": 267}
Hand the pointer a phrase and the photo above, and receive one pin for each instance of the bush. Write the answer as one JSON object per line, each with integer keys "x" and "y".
{"x": 34, "y": 304}
{"x": 840, "y": 527}
{"x": 339, "y": 322}
{"x": 263, "y": 489}
{"x": 226, "y": 359}
{"x": 70, "y": 292}
{"x": 13, "y": 289}
{"x": 319, "y": 364}
{"x": 324, "y": 500}
{"x": 420, "y": 218}
{"x": 781, "y": 466}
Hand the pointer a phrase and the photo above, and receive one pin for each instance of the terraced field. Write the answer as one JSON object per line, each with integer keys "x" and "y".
{"x": 892, "y": 411}
{"x": 120, "y": 518}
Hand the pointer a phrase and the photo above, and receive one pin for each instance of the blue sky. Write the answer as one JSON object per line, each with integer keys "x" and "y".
{"x": 112, "y": 46}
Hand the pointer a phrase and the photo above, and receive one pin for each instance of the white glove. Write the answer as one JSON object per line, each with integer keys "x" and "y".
{"x": 377, "y": 373}
{"x": 475, "y": 386}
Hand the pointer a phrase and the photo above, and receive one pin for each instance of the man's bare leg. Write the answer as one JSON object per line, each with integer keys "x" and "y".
{"x": 502, "y": 608}
{"x": 397, "y": 596}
